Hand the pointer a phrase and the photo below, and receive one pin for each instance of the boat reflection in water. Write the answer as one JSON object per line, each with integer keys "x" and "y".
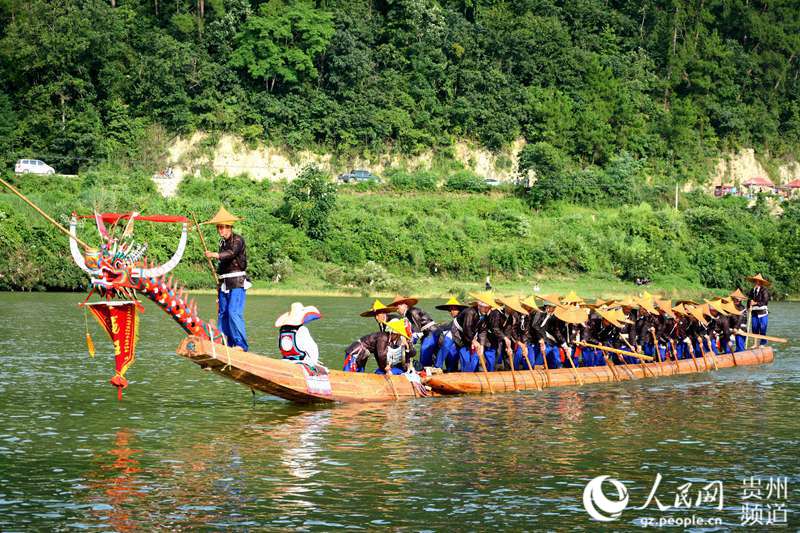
{"x": 116, "y": 487}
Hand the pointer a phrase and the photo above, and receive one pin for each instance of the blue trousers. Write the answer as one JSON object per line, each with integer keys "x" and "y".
{"x": 553, "y": 355}
{"x": 534, "y": 354}
{"x": 697, "y": 351}
{"x": 592, "y": 357}
{"x": 230, "y": 320}
{"x": 427, "y": 350}
{"x": 740, "y": 343}
{"x": 470, "y": 362}
{"x": 759, "y": 326}
{"x": 447, "y": 356}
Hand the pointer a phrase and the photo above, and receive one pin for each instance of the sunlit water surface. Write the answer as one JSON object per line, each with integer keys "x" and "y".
{"x": 186, "y": 448}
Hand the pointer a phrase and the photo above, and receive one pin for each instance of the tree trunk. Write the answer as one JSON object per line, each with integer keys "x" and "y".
{"x": 155, "y": 3}
{"x": 202, "y": 8}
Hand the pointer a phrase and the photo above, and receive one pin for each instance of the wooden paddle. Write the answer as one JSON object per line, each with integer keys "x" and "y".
{"x": 674, "y": 352}
{"x": 703, "y": 352}
{"x": 610, "y": 365}
{"x": 691, "y": 352}
{"x": 763, "y": 337}
{"x": 572, "y": 365}
{"x": 510, "y": 355}
{"x": 388, "y": 377}
{"x": 479, "y": 351}
{"x": 205, "y": 249}
{"x": 615, "y": 350}
{"x": 543, "y": 348}
{"x": 645, "y": 368}
{"x": 657, "y": 350}
{"x": 712, "y": 355}
{"x": 749, "y": 323}
{"x": 628, "y": 370}
{"x": 524, "y": 348}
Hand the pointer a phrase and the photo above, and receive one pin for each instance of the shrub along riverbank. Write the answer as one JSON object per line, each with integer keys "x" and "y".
{"x": 377, "y": 240}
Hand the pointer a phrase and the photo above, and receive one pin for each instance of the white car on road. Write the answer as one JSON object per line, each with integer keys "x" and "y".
{"x": 33, "y": 166}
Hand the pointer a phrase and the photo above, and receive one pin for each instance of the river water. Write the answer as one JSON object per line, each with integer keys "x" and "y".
{"x": 186, "y": 448}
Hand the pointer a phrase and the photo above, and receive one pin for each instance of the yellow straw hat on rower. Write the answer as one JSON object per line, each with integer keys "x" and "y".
{"x": 398, "y": 326}
{"x": 730, "y": 307}
{"x": 572, "y": 314}
{"x": 716, "y": 305}
{"x": 759, "y": 280}
{"x": 549, "y": 299}
{"x": 666, "y": 306}
{"x": 409, "y": 301}
{"x": 738, "y": 294}
{"x": 513, "y": 303}
{"x": 648, "y": 305}
{"x": 223, "y": 218}
{"x": 627, "y": 301}
{"x": 451, "y": 304}
{"x": 486, "y": 298}
{"x": 697, "y": 314}
{"x": 610, "y": 316}
{"x": 572, "y": 298}
{"x": 378, "y": 308}
{"x": 529, "y": 303}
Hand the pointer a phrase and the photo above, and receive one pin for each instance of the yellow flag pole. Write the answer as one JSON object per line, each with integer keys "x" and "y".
{"x": 47, "y": 217}
{"x": 615, "y": 350}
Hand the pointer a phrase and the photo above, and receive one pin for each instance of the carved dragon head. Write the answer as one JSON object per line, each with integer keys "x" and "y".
{"x": 119, "y": 266}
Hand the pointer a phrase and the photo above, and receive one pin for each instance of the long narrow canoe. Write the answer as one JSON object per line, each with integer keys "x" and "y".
{"x": 292, "y": 381}
{"x": 299, "y": 384}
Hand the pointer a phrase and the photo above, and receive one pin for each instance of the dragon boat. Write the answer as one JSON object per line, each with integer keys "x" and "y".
{"x": 119, "y": 271}
{"x": 301, "y": 384}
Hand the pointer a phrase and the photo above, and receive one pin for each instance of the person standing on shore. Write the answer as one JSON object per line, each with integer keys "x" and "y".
{"x": 759, "y": 299}
{"x": 231, "y": 270}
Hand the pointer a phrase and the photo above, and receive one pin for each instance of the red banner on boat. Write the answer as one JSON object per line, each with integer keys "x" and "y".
{"x": 121, "y": 321}
{"x": 112, "y": 218}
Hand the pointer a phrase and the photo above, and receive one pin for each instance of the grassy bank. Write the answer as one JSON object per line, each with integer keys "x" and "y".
{"x": 426, "y": 287}
{"x": 388, "y": 240}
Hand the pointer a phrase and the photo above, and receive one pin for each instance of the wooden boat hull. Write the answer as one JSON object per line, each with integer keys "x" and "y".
{"x": 476, "y": 383}
{"x": 290, "y": 381}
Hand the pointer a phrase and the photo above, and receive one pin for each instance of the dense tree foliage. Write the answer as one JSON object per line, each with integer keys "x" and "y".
{"x": 667, "y": 82}
{"x": 368, "y": 239}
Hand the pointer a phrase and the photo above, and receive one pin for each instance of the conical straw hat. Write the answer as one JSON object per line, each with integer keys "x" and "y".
{"x": 486, "y": 298}
{"x": 759, "y": 279}
{"x": 572, "y": 298}
{"x": 223, "y": 218}
{"x": 397, "y": 326}
{"x": 738, "y": 294}
{"x": 571, "y": 314}
{"x": 378, "y": 308}
{"x": 530, "y": 303}
{"x": 513, "y": 303}
{"x": 610, "y": 316}
{"x": 716, "y": 305}
{"x": 452, "y": 303}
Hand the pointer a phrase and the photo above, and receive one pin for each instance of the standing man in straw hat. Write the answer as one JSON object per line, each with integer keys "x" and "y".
{"x": 759, "y": 299}
{"x": 232, "y": 257}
